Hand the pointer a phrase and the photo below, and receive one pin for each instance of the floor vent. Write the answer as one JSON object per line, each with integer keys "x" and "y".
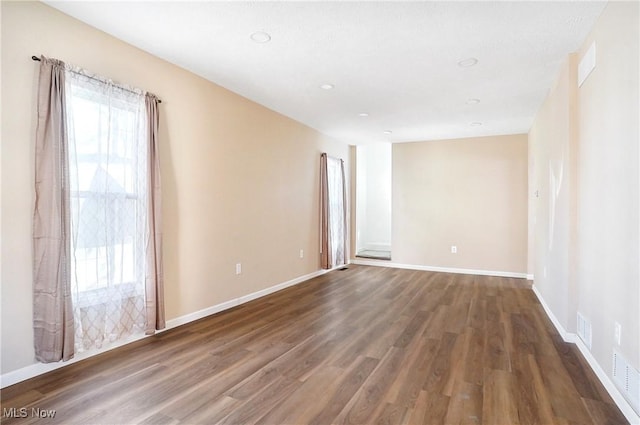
{"x": 584, "y": 330}
{"x": 627, "y": 379}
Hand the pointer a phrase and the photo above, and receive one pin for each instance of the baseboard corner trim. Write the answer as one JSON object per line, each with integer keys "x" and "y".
{"x": 566, "y": 336}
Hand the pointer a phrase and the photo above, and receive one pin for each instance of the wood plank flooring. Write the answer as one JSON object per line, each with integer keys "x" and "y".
{"x": 367, "y": 345}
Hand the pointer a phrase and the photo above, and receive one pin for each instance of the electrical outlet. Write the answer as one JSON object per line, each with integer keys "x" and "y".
{"x": 238, "y": 268}
{"x": 302, "y": 253}
{"x": 454, "y": 249}
{"x": 617, "y": 333}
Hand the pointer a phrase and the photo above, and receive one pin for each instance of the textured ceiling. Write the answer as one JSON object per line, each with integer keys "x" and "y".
{"x": 396, "y": 61}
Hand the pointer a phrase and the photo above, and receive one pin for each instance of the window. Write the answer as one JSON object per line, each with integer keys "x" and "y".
{"x": 97, "y": 220}
{"x": 108, "y": 208}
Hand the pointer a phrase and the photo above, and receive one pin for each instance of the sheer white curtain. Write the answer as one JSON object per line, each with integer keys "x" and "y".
{"x": 337, "y": 211}
{"x": 333, "y": 212}
{"x": 108, "y": 195}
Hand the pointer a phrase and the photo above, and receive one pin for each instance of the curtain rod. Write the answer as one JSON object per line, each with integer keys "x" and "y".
{"x": 35, "y": 58}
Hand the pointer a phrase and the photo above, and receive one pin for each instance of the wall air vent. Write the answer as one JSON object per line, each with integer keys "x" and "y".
{"x": 627, "y": 379}
{"x": 584, "y": 330}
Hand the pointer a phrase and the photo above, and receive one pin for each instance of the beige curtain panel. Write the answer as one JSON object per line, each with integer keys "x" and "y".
{"x": 53, "y": 323}
{"x": 154, "y": 282}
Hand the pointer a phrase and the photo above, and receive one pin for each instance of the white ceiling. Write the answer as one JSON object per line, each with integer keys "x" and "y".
{"x": 396, "y": 61}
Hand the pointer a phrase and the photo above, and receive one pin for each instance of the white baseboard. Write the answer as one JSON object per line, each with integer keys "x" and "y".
{"x": 530, "y": 276}
{"x": 191, "y": 317}
{"x": 36, "y": 369}
{"x": 608, "y": 384}
{"x": 566, "y": 336}
{"x": 384, "y": 263}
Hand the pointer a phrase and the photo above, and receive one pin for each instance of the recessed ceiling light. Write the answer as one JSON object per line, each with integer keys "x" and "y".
{"x": 363, "y": 114}
{"x": 475, "y": 124}
{"x": 326, "y": 86}
{"x": 465, "y": 63}
{"x": 473, "y": 101}
{"x": 260, "y": 37}
{"x": 387, "y": 132}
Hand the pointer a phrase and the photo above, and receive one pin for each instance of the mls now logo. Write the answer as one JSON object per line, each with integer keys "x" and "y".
{"x": 23, "y": 412}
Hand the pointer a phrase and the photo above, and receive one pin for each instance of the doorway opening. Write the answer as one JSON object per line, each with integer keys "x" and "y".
{"x": 373, "y": 201}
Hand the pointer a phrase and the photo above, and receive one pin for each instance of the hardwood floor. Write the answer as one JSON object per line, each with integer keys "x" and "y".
{"x": 362, "y": 346}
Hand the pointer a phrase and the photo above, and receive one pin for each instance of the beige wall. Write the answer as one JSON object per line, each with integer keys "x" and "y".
{"x": 240, "y": 181}
{"x": 601, "y": 229}
{"x": 609, "y": 184}
{"x": 471, "y": 193}
{"x": 552, "y": 189}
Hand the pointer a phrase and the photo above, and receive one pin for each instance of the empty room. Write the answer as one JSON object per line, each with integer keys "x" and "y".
{"x": 320, "y": 212}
